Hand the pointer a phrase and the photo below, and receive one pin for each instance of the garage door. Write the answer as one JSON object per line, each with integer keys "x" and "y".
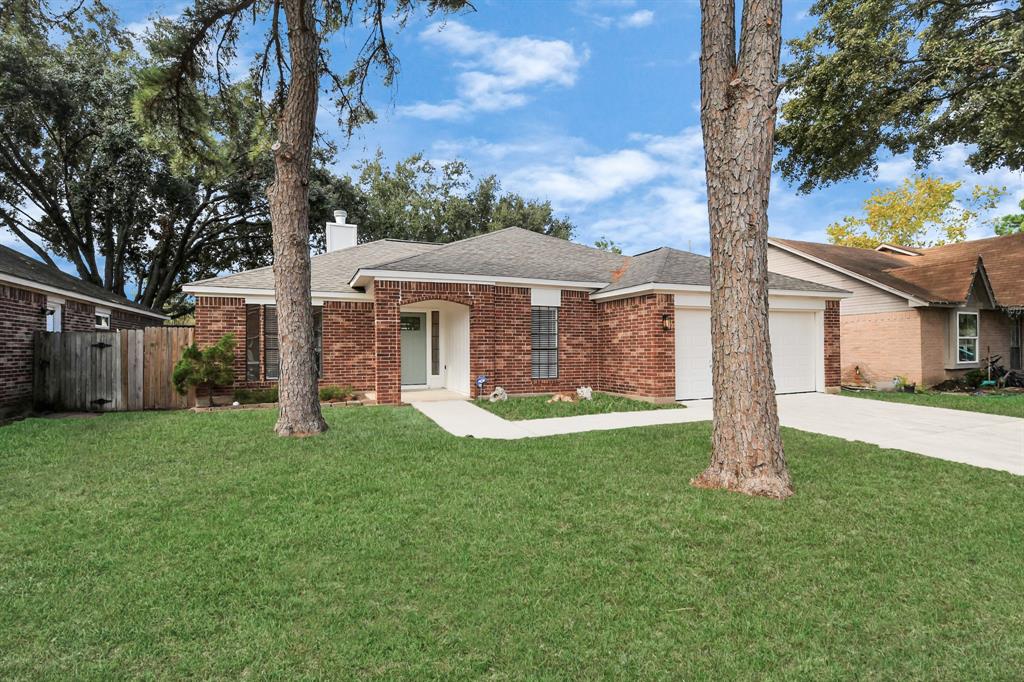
{"x": 795, "y": 352}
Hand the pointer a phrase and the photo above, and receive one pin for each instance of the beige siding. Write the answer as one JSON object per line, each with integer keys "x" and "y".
{"x": 865, "y": 299}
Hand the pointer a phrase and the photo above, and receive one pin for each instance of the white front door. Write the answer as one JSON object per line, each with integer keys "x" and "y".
{"x": 795, "y": 350}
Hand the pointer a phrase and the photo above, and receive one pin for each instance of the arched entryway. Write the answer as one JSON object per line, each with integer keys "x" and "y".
{"x": 434, "y": 346}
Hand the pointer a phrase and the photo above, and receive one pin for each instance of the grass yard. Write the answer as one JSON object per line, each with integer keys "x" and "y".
{"x": 171, "y": 545}
{"x": 537, "y": 407}
{"x": 1008, "y": 404}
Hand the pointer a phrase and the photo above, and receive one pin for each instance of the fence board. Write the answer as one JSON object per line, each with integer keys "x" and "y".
{"x": 109, "y": 371}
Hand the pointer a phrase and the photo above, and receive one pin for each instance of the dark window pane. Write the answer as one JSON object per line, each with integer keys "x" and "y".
{"x": 252, "y": 343}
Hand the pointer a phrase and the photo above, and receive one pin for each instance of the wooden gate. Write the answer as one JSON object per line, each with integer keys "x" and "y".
{"x": 109, "y": 371}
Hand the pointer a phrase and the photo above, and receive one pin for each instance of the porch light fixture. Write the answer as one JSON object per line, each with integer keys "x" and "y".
{"x": 667, "y": 323}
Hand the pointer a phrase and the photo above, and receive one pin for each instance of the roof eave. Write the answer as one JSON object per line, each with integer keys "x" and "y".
{"x": 59, "y": 291}
{"x": 659, "y": 287}
{"x": 914, "y": 300}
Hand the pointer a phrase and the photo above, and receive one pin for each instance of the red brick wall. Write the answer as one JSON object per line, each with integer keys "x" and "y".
{"x": 21, "y": 314}
{"x": 78, "y": 317}
{"x": 217, "y": 316}
{"x": 833, "y": 364}
{"x": 639, "y": 355}
{"x": 348, "y": 348}
{"x": 122, "y": 319}
{"x": 348, "y": 357}
{"x": 499, "y": 333}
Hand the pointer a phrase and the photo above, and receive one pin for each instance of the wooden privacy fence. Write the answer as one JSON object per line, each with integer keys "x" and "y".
{"x": 109, "y": 371}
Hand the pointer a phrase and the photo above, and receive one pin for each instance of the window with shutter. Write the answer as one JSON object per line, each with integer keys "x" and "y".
{"x": 271, "y": 348}
{"x": 544, "y": 342}
{"x": 252, "y": 343}
{"x": 271, "y": 354}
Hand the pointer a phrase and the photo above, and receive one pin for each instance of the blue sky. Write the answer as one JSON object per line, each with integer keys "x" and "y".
{"x": 592, "y": 104}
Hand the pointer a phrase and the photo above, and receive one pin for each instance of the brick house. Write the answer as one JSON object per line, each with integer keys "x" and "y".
{"x": 926, "y": 314}
{"x": 34, "y": 297}
{"x": 528, "y": 312}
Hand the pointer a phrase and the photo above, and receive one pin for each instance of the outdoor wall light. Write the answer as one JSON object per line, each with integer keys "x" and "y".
{"x": 667, "y": 322}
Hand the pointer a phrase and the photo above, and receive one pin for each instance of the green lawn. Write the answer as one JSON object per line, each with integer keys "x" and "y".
{"x": 1009, "y": 404}
{"x": 537, "y": 407}
{"x": 172, "y": 545}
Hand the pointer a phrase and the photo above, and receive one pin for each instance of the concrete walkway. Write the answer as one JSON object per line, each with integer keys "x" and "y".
{"x": 984, "y": 440}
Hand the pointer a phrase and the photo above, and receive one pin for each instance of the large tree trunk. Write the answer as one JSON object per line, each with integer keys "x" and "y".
{"x": 738, "y": 98}
{"x": 298, "y": 400}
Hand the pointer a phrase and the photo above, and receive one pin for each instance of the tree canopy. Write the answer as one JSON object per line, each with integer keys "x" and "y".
{"x": 877, "y": 77}
{"x": 422, "y": 201}
{"x": 1012, "y": 223}
{"x": 921, "y": 212}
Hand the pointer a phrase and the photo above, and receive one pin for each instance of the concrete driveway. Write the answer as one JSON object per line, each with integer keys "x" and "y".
{"x": 983, "y": 440}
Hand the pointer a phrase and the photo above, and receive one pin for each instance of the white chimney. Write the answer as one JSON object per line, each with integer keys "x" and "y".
{"x": 341, "y": 235}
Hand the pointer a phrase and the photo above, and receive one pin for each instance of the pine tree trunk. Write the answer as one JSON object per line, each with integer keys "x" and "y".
{"x": 298, "y": 400}
{"x": 738, "y": 100}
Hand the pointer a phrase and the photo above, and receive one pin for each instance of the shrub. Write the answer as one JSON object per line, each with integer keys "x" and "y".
{"x": 974, "y": 378}
{"x": 207, "y": 368}
{"x": 248, "y": 396}
{"x": 337, "y": 393}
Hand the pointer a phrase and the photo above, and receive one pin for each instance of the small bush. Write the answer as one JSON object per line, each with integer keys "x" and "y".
{"x": 337, "y": 393}
{"x": 248, "y": 396}
{"x": 208, "y": 368}
{"x": 974, "y": 378}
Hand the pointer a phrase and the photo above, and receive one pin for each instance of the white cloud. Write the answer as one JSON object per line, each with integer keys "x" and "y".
{"x": 638, "y": 19}
{"x": 494, "y": 72}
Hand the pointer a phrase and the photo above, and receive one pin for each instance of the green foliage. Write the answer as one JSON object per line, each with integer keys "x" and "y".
{"x": 336, "y": 393}
{"x": 538, "y": 407}
{"x": 877, "y": 77}
{"x": 251, "y": 396}
{"x": 80, "y": 178}
{"x": 419, "y": 201}
{"x": 1007, "y": 404}
{"x": 1010, "y": 224}
{"x": 207, "y": 368}
{"x": 608, "y": 245}
{"x": 922, "y": 212}
{"x": 203, "y": 546}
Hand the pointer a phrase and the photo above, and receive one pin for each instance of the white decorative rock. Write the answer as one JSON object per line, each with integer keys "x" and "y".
{"x": 585, "y": 393}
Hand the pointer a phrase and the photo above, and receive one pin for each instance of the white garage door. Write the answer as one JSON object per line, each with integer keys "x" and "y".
{"x": 794, "y": 352}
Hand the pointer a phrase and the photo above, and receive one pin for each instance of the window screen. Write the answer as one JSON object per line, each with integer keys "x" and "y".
{"x": 544, "y": 342}
{"x": 272, "y": 350}
{"x": 252, "y": 343}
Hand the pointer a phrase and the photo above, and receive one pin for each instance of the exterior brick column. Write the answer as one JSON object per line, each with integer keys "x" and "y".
{"x": 833, "y": 366}
{"x": 217, "y": 316}
{"x": 638, "y": 352}
{"x": 387, "y": 298}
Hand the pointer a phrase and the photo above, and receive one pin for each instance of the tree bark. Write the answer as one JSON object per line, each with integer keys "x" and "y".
{"x": 298, "y": 399}
{"x": 738, "y": 109}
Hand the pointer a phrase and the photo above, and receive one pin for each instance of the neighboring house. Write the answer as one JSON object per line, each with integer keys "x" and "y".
{"x": 529, "y": 312}
{"x": 34, "y": 297}
{"x": 925, "y": 314}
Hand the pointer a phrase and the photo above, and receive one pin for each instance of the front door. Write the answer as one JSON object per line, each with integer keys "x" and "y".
{"x": 414, "y": 348}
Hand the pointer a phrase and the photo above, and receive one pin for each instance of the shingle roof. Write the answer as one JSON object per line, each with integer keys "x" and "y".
{"x": 941, "y": 274}
{"x": 671, "y": 266}
{"x": 512, "y": 252}
{"x": 515, "y": 252}
{"x": 19, "y": 265}
{"x": 330, "y": 271}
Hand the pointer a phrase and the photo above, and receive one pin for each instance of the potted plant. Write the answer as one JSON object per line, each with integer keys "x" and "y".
{"x": 208, "y": 368}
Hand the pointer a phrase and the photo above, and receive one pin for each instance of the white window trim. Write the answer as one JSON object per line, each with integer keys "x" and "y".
{"x": 102, "y": 313}
{"x": 55, "y": 311}
{"x": 977, "y": 338}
